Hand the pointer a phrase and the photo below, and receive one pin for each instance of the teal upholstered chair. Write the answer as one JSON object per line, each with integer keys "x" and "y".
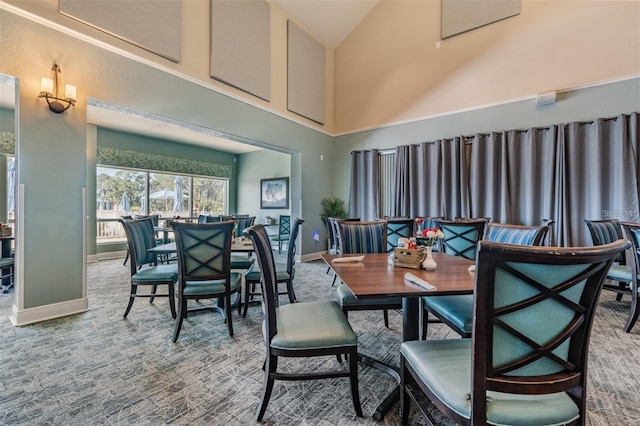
{"x": 203, "y": 218}
{"x": 145, "y": 270}
{"x": 284, "y": 273}
{"x": 457, "y": 310}
{"x": 632, "y": 232}
{"x": 308, "y": 329}
{"x": 527, "y": 361}
{"x": 243, "y": 223}
{"x": 7, "y": 265}
{"x": 398, "y": 228}
{"x": 332, "y": 223}
{"x": 461, "y": 236}
{"x": 284, "y": 229}
{"x": 364, "y": 237}
{"x": 204, "y": 269}
{"x": 620, "y": 275}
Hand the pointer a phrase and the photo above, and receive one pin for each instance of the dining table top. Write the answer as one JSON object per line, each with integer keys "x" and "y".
{"x": 375, "y": 277}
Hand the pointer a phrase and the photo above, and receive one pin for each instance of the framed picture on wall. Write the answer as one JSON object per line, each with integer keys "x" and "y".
{"x": 274, "y": 193}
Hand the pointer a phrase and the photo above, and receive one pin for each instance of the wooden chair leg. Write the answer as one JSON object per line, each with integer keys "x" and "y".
{"x": 290, "y": 292}
{"x": 227, "y": 313}
{"x": 635, "y": 310}
{"x": 385, "y": 314}
{"x": 172, "y": 299}
{"x": 182, "y": 313}
{"x": 134, "y": 289}
{"x": 270, "y": 367}
{"x": 353, "y": 379}
{"x": 404, "y": 398}
{"x": 154, "y": 289}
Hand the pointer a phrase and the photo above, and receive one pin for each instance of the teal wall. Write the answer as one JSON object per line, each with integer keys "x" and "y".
{"x": 253, "y": 167}
{"x": 7, "y": 120}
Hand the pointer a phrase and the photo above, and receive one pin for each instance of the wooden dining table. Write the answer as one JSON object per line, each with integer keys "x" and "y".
{"x": 375, "y": 277}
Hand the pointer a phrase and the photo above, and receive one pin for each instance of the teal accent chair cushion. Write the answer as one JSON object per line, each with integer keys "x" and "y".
{"x": 445, "y": 367}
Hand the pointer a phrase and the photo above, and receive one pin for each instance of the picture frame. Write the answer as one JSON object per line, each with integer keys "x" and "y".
{"x": 274, "y": 193}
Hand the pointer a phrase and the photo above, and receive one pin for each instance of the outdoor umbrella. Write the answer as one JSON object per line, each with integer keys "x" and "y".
{"x": 178, "y": 189}
{"x": 124, "y": 203}
{"x": 163, "y": 194}
{"x": 143, "y": 202}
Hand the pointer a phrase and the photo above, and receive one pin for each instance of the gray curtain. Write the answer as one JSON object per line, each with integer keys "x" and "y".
{"x": 364, "y": 200}
{"x": 513, "y": 175}
{"x": 566, "y": 173}
{"x": 431, "y": 179}
{"x": 488, "y": 177}
{"x": 599, "y": 175}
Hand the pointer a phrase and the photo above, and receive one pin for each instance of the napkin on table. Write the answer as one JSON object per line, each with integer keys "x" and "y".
{"x": 349, "y": 259}
{"x": 409, "y": 277}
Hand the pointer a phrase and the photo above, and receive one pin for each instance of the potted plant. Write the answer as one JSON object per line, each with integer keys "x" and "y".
{"x": 333, "y": 207}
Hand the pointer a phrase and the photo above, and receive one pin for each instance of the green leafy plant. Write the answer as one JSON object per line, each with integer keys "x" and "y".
{"x": 333, "y": 207}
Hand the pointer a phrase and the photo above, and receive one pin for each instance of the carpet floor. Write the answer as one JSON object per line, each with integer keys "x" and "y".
{"x": 97, "y": 368}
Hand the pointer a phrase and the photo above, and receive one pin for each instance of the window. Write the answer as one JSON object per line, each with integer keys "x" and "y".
{"x": 128, "y": 192}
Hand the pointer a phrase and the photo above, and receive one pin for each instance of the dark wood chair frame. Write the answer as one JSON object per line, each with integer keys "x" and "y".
{"x": 384, "y": 306}
{"x": 538, "y": 240}
{"x": 139, "y": 257}
{"x": 621, "y": 288}
{"x": 487, "y": 377}
{"x": 269, "y": 287}
{"x": 250, "y": 284}
{"x": 632, "y": 233}
{"x": 216, "y": 238}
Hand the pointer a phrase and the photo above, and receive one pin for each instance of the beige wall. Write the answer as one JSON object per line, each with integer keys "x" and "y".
{"x": 194, "y": 64}
{"x": 389, "y": 69}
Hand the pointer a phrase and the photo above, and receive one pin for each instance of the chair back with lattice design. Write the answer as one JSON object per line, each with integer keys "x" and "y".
{"x": 398, "y": 228}
{"x": 284, "y": 225}
{"x": 204, "y": 251}
{"x": 461, "y": 236}
{"x": 534, "y": 309}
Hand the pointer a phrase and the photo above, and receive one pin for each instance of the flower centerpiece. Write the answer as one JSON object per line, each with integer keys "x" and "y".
{"x": 419, "y": 222}
{"x": 431, "y": 236}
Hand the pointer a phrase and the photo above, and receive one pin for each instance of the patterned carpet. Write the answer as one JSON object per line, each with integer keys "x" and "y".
{"x": 98, "y": 368}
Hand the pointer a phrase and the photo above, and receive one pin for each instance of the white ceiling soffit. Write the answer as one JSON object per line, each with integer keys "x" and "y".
{"x": 136, "y": 122}
{"x": 331, "y": 21}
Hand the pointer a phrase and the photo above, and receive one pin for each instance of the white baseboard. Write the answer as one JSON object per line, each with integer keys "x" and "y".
{"x": 312, "y": 256}
{"x": 42, "y": 313}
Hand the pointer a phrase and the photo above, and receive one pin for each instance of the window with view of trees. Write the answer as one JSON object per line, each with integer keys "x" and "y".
{"x": 127, "y": 192}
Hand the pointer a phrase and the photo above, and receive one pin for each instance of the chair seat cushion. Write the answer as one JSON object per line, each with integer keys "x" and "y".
{"x": 346, "y": 298}
{"x": 156, "y": 273}
{"x": 457, "y": 309}
{"x": 619, "y": 273}
{"x": 312, "y": 325}
{"x": 445, "y": 367}
{"x": 195, "y": 288}
{"x": 253, "y": 275}
{"x": 241, "y": 261}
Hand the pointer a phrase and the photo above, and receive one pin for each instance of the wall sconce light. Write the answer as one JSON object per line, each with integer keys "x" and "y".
{"x": 50, "y": 90}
